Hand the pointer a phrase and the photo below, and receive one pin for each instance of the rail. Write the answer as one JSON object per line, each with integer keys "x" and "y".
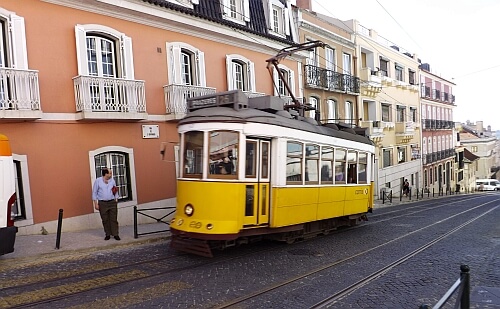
{"x": 463, "y": 287}
{"x": 386, "y": 195}
{"x": 170, "y": 209}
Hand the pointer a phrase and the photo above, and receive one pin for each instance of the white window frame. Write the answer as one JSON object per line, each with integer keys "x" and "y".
{"x": 123, "y": 43}
{"x": 15, "y": 49}
{"x": 314, "y": 101}
{"x": 248, "y": 71}
{"x": 28, "y": 206}
{"x": 131, "y": 160}
{"x": 283, "y": 18}
{"x": 349, "y": 112}
{"x": 332, "y": 110}
{"x": 330, "y": 59}
{"x": 291, "y": 79}
{"x": 174, "y": 54}
{"x": 242, "y": 12}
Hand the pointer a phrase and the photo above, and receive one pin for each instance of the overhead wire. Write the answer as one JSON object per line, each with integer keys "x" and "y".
{"x": 365, "y": 82}
{"x": 375, "y": 48}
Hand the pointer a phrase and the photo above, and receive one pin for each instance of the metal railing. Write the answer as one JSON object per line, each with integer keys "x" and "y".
{"x": 108, "y": 94}
{"x": 330, "y": 80}
{"x": 462, "y": 285}
{"x": 176, "y": 97}
{"x": 170, "y": 209}
{"x": 19, "y": 89}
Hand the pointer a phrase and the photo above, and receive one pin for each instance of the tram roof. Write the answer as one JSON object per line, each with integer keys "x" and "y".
{"x": 277, "y": 118}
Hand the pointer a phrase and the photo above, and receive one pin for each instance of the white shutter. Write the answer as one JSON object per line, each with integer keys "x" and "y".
{"x": 276, "y": 79}
{"x": 81, "y": 50}
{"x": 291, "y": 81}
{"x": 127, "y": 57}
{"x": 174, "y": 65}
{"x": 286, "y": 20}
{"x": 225, "y": 7}
{"x": 251, "y": 76}
{"x": 246, "y": 9}
{"x": 19, "y": 52}
{"x": 229, "y": 73}
{"x": 202, "y": 79}
{"x": 269, "y": 15}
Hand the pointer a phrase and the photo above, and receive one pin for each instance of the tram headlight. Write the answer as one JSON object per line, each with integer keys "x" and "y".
{"x": 189, "y": 210}
{"x": 210, "y": 226}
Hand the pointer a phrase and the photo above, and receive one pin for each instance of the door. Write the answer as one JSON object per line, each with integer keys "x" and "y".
{"x": 101, "y": 61}
{"x": 257, "y": 173}
{"x": 346, "y": 69}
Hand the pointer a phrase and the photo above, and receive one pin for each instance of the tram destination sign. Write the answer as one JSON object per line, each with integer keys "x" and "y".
{"x": 227, "y": 99}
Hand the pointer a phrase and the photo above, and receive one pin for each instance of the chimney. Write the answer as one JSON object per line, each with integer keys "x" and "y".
{"x": 304, "y": 4}
{"x": 479, "y": 126}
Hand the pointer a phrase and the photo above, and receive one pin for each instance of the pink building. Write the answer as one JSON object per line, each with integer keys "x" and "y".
{"x": 438, "y": 149}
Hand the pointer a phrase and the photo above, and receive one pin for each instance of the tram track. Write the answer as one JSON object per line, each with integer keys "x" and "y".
{"x": 373, "y": 276}
{"x": 101, "y": 273}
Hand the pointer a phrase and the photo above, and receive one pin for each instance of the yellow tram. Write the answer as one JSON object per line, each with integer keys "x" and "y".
{"x": 251, "y": 170}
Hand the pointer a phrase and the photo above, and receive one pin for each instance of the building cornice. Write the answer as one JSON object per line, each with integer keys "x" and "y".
{"x": 325, "y": 33}
{"x": 141, "y": 13}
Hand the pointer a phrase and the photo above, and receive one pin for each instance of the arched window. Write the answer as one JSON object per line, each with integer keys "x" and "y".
{"x": 186, "y": 65}
{"x": 313, "y": 101}
{"x": 289, "y": 76}
{"x": 349, "y": 112}
{"x": 332, "y": 111}
{"x": 240, "y": 73}
{"x": 120, "y": 161}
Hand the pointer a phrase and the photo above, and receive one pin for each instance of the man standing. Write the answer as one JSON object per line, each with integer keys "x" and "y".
{"x": 105, "y": 199}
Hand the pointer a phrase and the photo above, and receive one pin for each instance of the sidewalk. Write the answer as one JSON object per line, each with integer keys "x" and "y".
{"x": 37, "y": 245}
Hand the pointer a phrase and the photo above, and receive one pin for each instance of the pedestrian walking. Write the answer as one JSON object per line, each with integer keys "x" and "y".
{"x": 105, "y": 199}
{"x": 406, "y": 187}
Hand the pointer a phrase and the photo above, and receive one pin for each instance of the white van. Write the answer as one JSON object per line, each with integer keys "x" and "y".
{"x": 487, "y": 185}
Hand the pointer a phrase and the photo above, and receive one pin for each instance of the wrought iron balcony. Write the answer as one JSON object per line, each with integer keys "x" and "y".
{"x": 109, "y": 98}
{"x": 434, "y": 124}
{"x": 19, "y": 94}
{"x": 439, "y": 155}
{"x": 317, "y": 77}
{"x": 176, "y": 97}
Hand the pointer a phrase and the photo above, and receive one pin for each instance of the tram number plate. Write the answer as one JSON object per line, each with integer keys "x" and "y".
{"x": 195, "y": 224}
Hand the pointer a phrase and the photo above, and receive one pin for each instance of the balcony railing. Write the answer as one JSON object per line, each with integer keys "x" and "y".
{"x": 317, "y": 77}
{"x": 433, "y": 124}
{"x": 439, "y": 155}
{"x": 176, "y": 97}
{"x": 19, "y": 92}
{"x": 106, "y": 94}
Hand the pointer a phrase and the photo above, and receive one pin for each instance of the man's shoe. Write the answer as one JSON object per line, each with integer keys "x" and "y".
{"x": 117, "y": 238}
{"x": 107, "y": 237}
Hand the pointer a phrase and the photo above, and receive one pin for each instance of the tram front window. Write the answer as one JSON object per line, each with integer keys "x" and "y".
{"x": 193, "y": 153}
{"x": 223, "y": 153}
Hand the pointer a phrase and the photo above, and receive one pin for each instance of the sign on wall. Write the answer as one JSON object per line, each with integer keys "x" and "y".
{"x": 150, "y": 131}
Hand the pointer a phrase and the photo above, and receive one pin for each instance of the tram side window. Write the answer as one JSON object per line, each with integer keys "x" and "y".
{"x": 193, "y": 154}
{"x": 223, "y": 153}
{"x": 312, "y": 161}
{"x": 326, "y": 165}
{"x": 362, "y": 167}
{"x": 294, "y": 163}
{"x": 352, "y": 162}
{"x": 340, "y": 165}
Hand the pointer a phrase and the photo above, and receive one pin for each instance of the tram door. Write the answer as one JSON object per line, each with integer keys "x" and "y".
{"x": 257, "y": 173}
